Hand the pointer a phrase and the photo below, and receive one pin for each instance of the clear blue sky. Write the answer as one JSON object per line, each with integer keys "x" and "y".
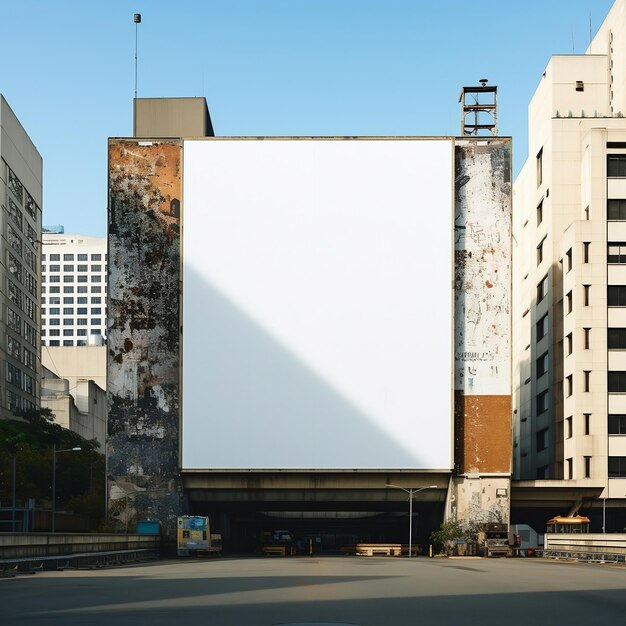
{"x": 267, "y": 67}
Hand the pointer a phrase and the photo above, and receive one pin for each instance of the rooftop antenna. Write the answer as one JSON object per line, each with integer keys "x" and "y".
{"x": 137, "y": 20}
{"x": 482, "y": 110}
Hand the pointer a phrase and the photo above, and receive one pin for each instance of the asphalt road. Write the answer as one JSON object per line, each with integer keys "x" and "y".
{"x": 350, "y": 590}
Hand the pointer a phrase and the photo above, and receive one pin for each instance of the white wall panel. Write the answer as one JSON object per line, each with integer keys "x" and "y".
{"x": 317, "y": 307}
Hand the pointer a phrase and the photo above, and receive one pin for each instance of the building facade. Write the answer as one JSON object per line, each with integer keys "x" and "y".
{"x": 569, "y": 298}
{"x": 21, "y": 175}
{"x": 74, "y": 290}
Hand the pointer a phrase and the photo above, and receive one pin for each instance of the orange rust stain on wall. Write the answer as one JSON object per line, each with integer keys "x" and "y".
{"x": 482, "y": 433}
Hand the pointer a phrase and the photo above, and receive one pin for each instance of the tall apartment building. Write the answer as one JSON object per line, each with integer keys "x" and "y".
{"x": 73, "y": 291}
{"x": 569, "y": 308}
{"x": 21, "y": 178}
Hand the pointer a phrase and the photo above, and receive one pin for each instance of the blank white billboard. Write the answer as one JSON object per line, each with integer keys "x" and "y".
{"x": 317, "y": 304}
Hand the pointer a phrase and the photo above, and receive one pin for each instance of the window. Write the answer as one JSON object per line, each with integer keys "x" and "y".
{"x": 568, "y": 425}
{"x": 81, "y": 311}
{"x": 54, "y": 322}
{"x": 68, "y": 289}
{"x": 617, "y": 424}
{"x": 68, "y": 342}
{"x": 96, "y": 331}
{"x": 587, "y": 213}
{"x": 68, "y": 300}
{"x": 96, "y": 257}
{"x": 543, "y": 472}
{"x": 83, "y": 278}
{"x": 568, "y": 256}
{"x": 54, "y": 310}
{"x": 616, "y": 295}
{"x": 617, "y": 382}
{"x": 55, "y": 257}
{"x": 55, "y": 300}
{"x": 96, "y": 321}
{"x": 82, "y": 289}
{"x": 81, "y": 321}
{"x": 96, "y": 300}
{"x": 68, "y": 322}
{"x": 96, "y": 289}
{"x": 81, "y": 300}
{"x": 81, "y": 332}
{"x": 569, "y": 344}
{"x": 55, "y": 268}
{"x": 542, "y": 289}
{"x": 68, "y": 311}
{"x": 54, "y": 342}
{"x": 587, "y": 467}
{"x": 570, "y": 302}
{"x": 616, "y": 210}
{"x": 68, "y": 332}
{"x": 616, "y": 165}
{"x": 96, "y": 279}
{"x": 54, "y": 279}
{"x": 542, "y": 327}
{"x": 68, "y": 278}
{"x": 586, "y": 294}
{"x": 68, "y": 257}
{"x": 569, "y": 385}
{"x": 542, "y": 402}
{"x": 616, "y": 252}
{"x": 540, "y": 213}
{"x": 540, "y": 167}
{"x": 587, "y": 417}
{"x": 54, "y": 332}
{"x": 587, "y": 338}
{"x": 617, "y": 467}
{"x": 82, "y": 268}
{"x": 81, "y": 257}
{"x": 570, "y": 468}
{"x": 68, "y": 268}
{"x": 43, "y": 257}
{"x": 81, "y": 342}
{"x": 542, "y": 365}
{"x": 616, "y": 338}
{"x": 587, "y": 379}
{"x": 540, "y": 252}
{"x": 96, "y": 268}
{"x": 96, "y": 310}
{"x": 56, "y": 289}
{"x": 542, "y": 439}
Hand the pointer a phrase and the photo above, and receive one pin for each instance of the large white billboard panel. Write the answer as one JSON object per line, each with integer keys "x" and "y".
{"x": 317, "y": 306}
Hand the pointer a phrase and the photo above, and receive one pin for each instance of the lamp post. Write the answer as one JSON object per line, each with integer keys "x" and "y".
{"x": 411, "y": 493}
{"x": 54, "y": 481}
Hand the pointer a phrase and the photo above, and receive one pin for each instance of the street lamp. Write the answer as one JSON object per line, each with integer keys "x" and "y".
{"x": 411, "y": 493}
{"x": 54, "y": 480}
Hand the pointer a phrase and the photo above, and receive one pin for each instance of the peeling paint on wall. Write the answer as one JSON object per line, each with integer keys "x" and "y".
{"x": 144, "y": 333}
{"x": 482, "y": 379}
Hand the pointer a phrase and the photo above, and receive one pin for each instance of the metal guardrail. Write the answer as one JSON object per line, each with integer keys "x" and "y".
{"x": 86, "y": 560}
{"x": 583, "y": 555}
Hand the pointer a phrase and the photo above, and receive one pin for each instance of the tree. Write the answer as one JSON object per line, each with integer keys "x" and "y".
{"x": 451, "y": 532}
{"x": 80, "y": 475}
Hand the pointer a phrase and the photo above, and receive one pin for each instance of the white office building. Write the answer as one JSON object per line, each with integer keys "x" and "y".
{"x": 569, "y": 309}
{"x": 73, "y": 290}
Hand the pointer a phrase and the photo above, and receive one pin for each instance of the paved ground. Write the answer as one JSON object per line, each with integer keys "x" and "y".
{"x": 348, "y": 590}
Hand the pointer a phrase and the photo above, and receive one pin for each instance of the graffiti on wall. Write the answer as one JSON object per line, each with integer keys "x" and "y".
{"x": 482, "y": 246}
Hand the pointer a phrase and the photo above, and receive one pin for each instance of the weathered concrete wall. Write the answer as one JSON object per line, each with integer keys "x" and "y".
{"x": 144, "y": 333}
{"x": 482, "y": 331}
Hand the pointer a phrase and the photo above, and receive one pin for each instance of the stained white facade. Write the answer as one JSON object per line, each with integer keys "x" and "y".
{"x": 317, "y": 303}
{"x": 74, "y": 290}
{"x": 21, "y": 175}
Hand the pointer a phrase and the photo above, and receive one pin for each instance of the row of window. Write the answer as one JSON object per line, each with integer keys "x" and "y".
{"x": 70, "y": 268}
{"x": 67, "y": 342}
{"x": 68, "y": 278}
{"x": 17, "y": 403}
{"x": 70, "y": 300}
{"x": 70, "y": 257}
{"x": 616, "y": 296}
{"x": 70, "y": 311}
{"x": 70, "y": 289}
{"x": 71, "y": 321}
{"x": 69, "y": 332}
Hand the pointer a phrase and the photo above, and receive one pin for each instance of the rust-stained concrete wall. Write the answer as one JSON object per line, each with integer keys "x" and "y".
{"x": 481, "y": 487}
{"x": 144, "y": 333}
